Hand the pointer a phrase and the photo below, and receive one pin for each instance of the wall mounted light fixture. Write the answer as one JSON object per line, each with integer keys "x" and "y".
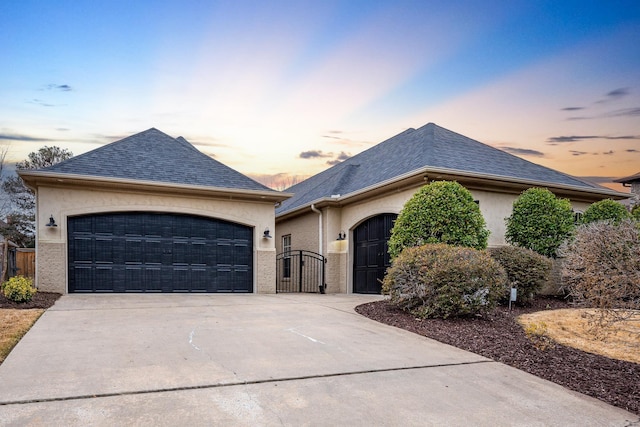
{"x": 52, "y": 222}
{"x": 342, "y": 235}
{"x": 266, "y": 234}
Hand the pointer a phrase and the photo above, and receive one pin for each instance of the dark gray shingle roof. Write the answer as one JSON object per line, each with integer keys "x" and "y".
{"x": 155, "y": 156}
{"x": 414, "y": 149}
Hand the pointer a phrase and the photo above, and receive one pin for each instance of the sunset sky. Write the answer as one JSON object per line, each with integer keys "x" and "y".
{"x": 277, "y": 89}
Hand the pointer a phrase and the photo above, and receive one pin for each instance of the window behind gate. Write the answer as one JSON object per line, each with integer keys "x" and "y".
{"x": 286, "y": 248}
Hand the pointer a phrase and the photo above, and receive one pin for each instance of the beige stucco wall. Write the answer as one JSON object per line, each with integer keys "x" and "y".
{"x": 51, "y": 244}
{"x": 494, "y": 206}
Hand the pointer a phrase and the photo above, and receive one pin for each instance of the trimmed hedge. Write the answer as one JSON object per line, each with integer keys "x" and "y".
{"x": 438, "y": 280}
{"x": 441, "y": 212}
{"x": 527, "y": 271}
{"x": 540, "y": 221}
{"x": 605, "y": 210}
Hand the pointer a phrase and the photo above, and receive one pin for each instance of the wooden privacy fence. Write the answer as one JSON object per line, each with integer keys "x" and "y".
{"x": 26, "y": 262}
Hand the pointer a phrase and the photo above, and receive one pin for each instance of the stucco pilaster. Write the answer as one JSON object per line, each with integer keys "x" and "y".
{"x": 266, "y": 271}
{"x": 51, "y": 265}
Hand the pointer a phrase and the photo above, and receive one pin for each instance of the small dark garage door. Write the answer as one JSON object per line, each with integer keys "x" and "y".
{"x": 158, "y": 252}
{"x": 371, "y": 257}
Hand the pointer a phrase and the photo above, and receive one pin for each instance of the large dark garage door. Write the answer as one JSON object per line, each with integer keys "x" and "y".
{"x": 155, "y": 252}
{"x": 371, "y": 257}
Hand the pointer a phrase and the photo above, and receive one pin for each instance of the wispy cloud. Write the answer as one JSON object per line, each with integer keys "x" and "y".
{"x": 632, "y": 150}
{"x": 60, "y": 88}
{"x": 618, "y": 93}
{"x": 523, "y": 151}
{"x": 625, "y": 112}
{"x": 555, "y": 140}
{"x": 23, "y": 138}
{"x": 314, "y": 154}
{"x": 572, "y": 108}
{"x": 607, "y": 153}
{"x": 339, "y": 158}
{"x": 40, "y": 102}
{"x": 577, "y": 153}
{"x": 614, "y": 95}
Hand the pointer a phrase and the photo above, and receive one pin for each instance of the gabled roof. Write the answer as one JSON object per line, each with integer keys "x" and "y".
{"x": 153, "y": 156}
{"x": 430, "y": 147}
{"x": 628, "y": 179}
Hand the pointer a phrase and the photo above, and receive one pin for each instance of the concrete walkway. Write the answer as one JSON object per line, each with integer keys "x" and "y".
{"x": 262, "y": 360}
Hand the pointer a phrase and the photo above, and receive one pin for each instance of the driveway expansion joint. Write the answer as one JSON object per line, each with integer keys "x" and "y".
{"x": 239, "y": 383}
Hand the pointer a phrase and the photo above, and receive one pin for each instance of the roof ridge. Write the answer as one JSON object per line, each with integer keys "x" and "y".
{"x": 347, "y": 174}
{"x": 103, "y": 147}
{"x": 153, "y": 155}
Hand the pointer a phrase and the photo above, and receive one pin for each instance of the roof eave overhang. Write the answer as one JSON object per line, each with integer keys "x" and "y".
{"x": 35, "y": 179}
{"x": 472, "y": 181}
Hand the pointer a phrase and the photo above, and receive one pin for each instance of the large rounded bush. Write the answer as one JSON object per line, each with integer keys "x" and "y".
{"x": 19, "y": 289}
{"x": 605, "y": 210}
{"x": 528, "y": 271}
{"x": 438, "y": 280}
{"x": 441, "y": 212}
{"x": 601, "y": 268}
{"x": 540, "y": 221}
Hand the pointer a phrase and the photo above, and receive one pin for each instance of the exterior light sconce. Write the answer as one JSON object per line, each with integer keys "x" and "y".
{"x": 342, "y": 235}
{"x": 266, "y": 234}
{"x": 52, "y": 222}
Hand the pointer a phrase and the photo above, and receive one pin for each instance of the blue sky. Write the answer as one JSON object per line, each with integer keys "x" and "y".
{"x": 279, "y": 89}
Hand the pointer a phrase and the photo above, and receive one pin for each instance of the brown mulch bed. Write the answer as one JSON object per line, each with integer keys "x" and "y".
{"x": 498, "y": 336}
{"x": 39, "y": 300}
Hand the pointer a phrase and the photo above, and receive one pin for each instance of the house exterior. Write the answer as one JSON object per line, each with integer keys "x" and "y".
{"x": 151, "y": 213}
{"x": 633, "y": 182}
{"x": 346, "y": 212}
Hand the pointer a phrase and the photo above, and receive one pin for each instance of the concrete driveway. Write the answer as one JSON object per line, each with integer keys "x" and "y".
{"x": 262, "y": 360}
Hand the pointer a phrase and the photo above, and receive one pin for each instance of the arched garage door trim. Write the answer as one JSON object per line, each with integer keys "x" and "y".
{"x": 158, "y": 252}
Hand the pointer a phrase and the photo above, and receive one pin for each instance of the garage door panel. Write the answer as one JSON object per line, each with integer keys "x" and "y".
{"x": 83, "y": 225}
{"x": 199, "y": 279}
{"x": 82, "y": 276}
{"x": 133, "y": 251}
{"x": 151, "y": 252}
{"x": 134, "y": 279}
{"x": 240, "y": 277}
{"x": 104, "y": 226}
{"x": 83, "y": 249}
{"x": 181, "y": 279}
{"x": 153, "y": 279}
{"x": 225, "y": 279}
{"x": 103, "y": 278}
{"x": 224, "y": 252}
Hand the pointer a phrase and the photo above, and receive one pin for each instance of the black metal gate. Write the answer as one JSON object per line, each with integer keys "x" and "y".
{"x": 300, "y": 271}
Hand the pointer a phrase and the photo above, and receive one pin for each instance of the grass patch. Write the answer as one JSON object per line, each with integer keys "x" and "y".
{"x": 570, "y": 327}
{"x": 14, "y": 323}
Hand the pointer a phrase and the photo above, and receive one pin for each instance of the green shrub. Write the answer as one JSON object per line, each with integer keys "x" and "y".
{"x": 635, "y": 212}
{"x": 438, "y": 280}
{"x": 540, "y": 221}
{"x": 19, "y": 289}
{"x": 605, "y": 210}
{"x": 441, "y": 212}
{"x": 602, "y": 266}
{"x": 527, "y": 271}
